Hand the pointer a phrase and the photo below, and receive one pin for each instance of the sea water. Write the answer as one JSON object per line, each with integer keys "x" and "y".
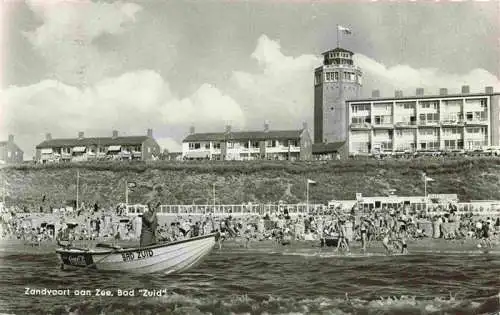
{"x": 240, "y": 282}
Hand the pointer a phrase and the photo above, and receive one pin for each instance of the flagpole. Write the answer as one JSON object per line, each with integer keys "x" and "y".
{"x": 425, "y": 191}
{"x": 338, "y": 45}
{"x": 3, "y": 194}
{"x": 307, "y": 197}
{"x": 126, "y": 192}
{"x": 213, "y": 191}
{"x": 77, "y": 188}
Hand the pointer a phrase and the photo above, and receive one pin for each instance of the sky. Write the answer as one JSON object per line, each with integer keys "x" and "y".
{"x": 98, "y": 66}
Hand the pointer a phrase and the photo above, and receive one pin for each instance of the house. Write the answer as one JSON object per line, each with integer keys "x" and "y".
{"x": 10, "y": 153}
{"x": 248, "y": 145}
{"x": 142, "y": 148}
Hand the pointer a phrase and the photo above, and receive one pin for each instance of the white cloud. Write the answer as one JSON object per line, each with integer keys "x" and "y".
{"x": 130, "y": 103}
{"x": 65, "y": 39}
{"x": 281, "y": 92}
{"x": 407, "y": 79}
{"x": 170, "y": 144}
{"x": 206, "y": 109}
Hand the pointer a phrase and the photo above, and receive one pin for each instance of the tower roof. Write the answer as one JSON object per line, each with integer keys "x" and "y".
{"x": 338, "y": 49}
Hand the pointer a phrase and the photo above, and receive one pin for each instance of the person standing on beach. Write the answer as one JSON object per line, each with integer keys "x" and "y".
{"x": 149, "y": 225}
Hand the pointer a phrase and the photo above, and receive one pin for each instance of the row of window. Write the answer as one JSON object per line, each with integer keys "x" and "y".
{"x": 365, "y": 147}
{"x": 93, "y": 150}
{"x": 423, "y": 132}
{"x": 246, "y": 144}
{"x": 335, "y": 76}
{"x": 429, "y": 118}
{"x": 411, "y": 105}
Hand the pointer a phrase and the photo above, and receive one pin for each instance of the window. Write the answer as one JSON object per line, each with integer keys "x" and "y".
{"x": 428, "y": 132}
{"x": 293, "y": 143}
{"x": 207, "y": 146}
{"x": 230, "y": 145}
{"x": 255, "y": 144}
{"x": 336, "y": 76}
{"x": 317, "y": 78}
{"x": 216, "y": 145}
{"x": 270, "y": 143}
{"x": 193, "y": 146}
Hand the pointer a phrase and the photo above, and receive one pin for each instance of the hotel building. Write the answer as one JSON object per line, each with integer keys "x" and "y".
{"x": 429, "y": 123}
{"x": 346, "y": 124}
{"x": 248, "y": 145}
{"x": 142, "y": 148}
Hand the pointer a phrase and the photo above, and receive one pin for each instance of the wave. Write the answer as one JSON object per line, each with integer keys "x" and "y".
{"x": 254, "y": 304}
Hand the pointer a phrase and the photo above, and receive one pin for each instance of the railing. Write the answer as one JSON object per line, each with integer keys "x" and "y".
{"x": 235, "y": 210}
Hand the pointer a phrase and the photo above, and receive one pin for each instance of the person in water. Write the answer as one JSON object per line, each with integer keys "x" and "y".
{"x": 149, "y": 225}
{"x": 364, "y": 227}
{"x": 386, "y": 240}
{"x": 342, "y": 236}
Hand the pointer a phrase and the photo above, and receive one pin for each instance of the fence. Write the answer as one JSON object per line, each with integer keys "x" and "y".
{"x": 235, "y": 210}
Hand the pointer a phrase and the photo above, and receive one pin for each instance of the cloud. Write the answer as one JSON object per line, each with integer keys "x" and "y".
{"x": 170, "y": 144}
{"x": 65, "y": 39}
{"x": 405, "y": 78}
{"x": 204, "y": 108}
{"x": 130, "y": 103}
{"x": 281, "y": 92}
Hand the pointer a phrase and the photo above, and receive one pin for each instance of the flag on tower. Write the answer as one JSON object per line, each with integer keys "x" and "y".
{"x": 344, "y": 30}
{"x": 310, "y": 181}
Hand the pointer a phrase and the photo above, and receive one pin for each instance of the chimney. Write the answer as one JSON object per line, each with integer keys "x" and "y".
{"x": 48, "y": 136}
{"x": 115, "y": 134}
{"x": 465, "y": 89}
{"x": 398, "y": 93}
{"x": 150, "y": 133}
{"x": 375, "y": 93}
{"x": 443, "y": 91}
{"x": 80, "y": 135}
{"x": 488, "y": 90}
{"x": 266, "y": 126}
{"x": 228, "y": 128}
{"x": 419, "y": 92}
{"x": 191, "y": 130}
{"x": 304, "y": 125}
{"x": 11, "y": 138}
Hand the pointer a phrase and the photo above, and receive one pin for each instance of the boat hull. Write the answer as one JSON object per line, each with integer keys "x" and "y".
{"x": 165, "y": 258}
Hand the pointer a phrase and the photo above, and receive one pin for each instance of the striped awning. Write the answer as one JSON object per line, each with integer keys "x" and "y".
{"x": 47, "y": 151}
{"x": 79, "y": 149}
{"x": 114, "y": 148}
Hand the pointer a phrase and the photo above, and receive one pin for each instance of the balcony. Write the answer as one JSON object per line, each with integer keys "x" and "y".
{"x": 476, "y": 122}
{"x": 383, "y": 126}
{"x": 456, "y": 122}
{"x": 406, "y": 124}
{"x": 361, "y": 126}
{"x": 432, "y": 123}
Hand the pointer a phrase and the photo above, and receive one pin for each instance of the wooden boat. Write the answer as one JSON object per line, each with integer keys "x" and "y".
{"x": 172, "y": 257}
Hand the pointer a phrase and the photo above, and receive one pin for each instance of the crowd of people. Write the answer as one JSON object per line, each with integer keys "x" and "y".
{"x": 393, "y": 227}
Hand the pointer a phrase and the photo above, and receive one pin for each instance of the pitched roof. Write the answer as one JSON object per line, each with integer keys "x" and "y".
{"x": 245, "y": 135}
{"x": 320, "y": 148}
{"x": 104, "y": 141}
